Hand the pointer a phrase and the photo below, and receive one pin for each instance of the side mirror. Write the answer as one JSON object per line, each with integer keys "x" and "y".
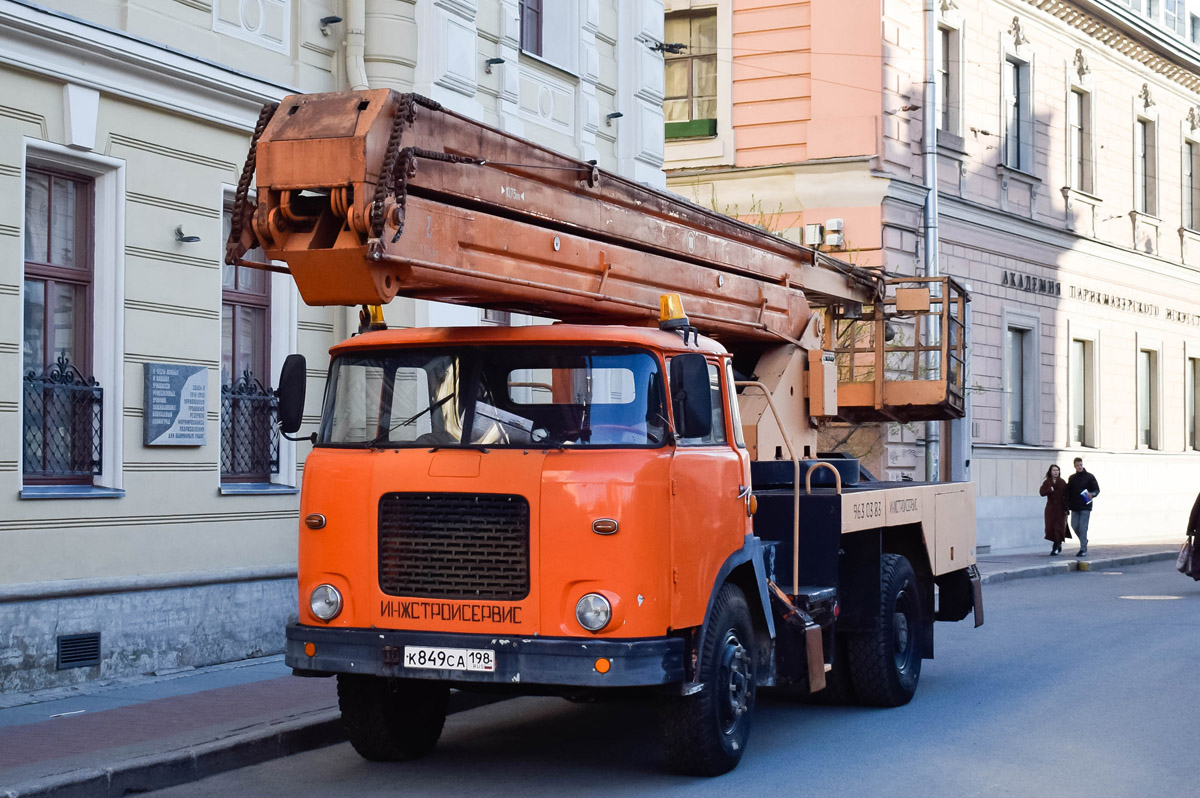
{"x": 291, "y": 393}
{"x": 690, "y": 396}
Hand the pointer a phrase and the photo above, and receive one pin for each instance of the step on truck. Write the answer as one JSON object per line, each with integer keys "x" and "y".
{"x": 630, "y": 500}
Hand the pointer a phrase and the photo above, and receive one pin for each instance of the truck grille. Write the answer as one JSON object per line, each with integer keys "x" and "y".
{"x": 454, "y": 545}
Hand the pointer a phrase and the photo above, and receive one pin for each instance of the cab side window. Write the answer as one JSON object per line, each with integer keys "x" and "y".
{"x": 717, "y": 434}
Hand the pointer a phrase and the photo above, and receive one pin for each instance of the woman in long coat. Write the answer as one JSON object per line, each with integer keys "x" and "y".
{"x": 1054, "y": 488}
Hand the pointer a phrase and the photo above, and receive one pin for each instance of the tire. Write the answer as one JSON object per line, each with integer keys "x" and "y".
{"x": 391, "y": 720}
{"x": 705, "y": 733}
{"x": 885, "y": 663}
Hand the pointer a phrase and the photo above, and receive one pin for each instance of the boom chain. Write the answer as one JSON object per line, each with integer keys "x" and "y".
{"x": 234, "y": 250}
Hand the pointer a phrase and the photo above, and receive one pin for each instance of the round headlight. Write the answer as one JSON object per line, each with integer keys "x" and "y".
{"x": 326, "y": 602}
{"x": 593, "y": 612}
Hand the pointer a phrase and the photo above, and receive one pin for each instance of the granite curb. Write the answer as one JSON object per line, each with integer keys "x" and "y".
{"x": 1066, "y": 566}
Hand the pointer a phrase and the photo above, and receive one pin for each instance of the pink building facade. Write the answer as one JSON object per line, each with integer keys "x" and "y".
{"x": 1068, "y": 174}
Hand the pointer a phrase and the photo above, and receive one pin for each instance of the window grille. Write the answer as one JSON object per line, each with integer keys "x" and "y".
{"x": 249, "y": 430}
{"x": 61, "y": 423}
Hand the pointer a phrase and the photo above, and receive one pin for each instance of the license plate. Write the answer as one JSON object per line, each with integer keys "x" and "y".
{"x": 450, "y": 659}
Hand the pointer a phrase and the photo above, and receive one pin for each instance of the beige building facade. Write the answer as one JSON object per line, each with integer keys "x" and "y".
{"x": 148, "y": 509}
{"x": 1068, "y": 155}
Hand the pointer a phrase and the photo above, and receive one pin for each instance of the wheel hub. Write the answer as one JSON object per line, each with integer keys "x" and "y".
{"x": 736, "y": 668}
{"x": 900, "y": 623}
{"x": 903, "y": 618}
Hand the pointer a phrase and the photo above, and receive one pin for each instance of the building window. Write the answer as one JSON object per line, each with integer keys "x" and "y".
{"x": 1145, "y": 167}
{"x": 1195, "y": 29}
{"x": 1082, "y": 373}
{"x": 1191, "y": 185}
{"x": 62, "y": 402}
{"x": 1190, "y": 385}
{"x": 249, "y": 434}
{"x": 1173, "y": 16}
{"x": 949, "y": 58}
{"x": 690, "y": 107}
{"x": 550, "y": 31}
{"x": 1079, "y": 140}
{"x": 531, "y": 26}
{"x": 1147, "y": 398}
{"x": 500, "y": 318}
{"x": 1018, "y": 384}
{"x": 1018, "y": 116}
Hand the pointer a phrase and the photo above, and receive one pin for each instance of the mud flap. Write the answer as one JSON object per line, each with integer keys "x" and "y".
{"x": 798, "y": 644}
{"x": 976, "y": 594}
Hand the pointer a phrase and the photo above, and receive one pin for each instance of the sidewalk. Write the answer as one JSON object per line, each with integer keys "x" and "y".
{"x": 144, "y": 733}
{"x": 1001, "y": 566}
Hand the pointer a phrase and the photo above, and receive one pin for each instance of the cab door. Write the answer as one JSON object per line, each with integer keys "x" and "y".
{"x": 708, "y": 508}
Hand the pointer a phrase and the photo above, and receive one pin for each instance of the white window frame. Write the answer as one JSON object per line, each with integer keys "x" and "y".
{"x": 1031, "y": 382}
{"x": 1090, "y": 337}
{"x": 282, "y": 321}
{"x": 1079, "y": 97}
{"x": 1145, "y": 167}
{"x": 1154, "y": 347}
{"x": 1180, "y": 27}
{"x": 1191, "y": 394}
{"x": 721, "y": 149}
{"x": 1016, "y": 89}
{"x": 1189, "y": 188}
{"x": 108, "y": 291}
{"x": 950, "y": 23}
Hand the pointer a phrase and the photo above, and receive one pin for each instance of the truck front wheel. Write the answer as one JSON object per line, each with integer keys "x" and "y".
{"x": 705, "y": 733}
{"x": 391, "y": 720}
{"x": 885, "y": 663}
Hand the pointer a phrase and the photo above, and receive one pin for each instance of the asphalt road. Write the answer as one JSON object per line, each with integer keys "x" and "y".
{"x": 1081, "y": 684}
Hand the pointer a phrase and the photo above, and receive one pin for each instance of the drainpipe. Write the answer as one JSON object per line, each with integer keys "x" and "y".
{"x": 929, "y": 156}
{"x": 356, "y": 26}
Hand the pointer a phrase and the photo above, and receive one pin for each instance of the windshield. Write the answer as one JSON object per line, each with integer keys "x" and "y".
{"x": 495, "y": 396}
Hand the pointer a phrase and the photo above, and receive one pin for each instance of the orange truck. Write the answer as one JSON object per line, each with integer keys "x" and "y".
{"x": 628, "y": 500}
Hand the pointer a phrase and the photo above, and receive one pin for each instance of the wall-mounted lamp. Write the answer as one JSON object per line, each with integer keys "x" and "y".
{"x": 326, "y": 22}
{"x": 183, "y": 238}
{"x": 608, "y": 118}
{"x": 491, "y": 62}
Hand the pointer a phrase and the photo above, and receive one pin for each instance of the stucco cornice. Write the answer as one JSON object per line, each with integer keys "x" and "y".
{"x": 1129, "y": 36}
{"x": 71, "y": 50}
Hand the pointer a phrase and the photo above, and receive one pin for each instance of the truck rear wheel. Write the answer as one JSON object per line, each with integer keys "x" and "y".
{"x": 391, "y": 720}
{"x": 705, "y": 733}
{"x": 885, "y": 663}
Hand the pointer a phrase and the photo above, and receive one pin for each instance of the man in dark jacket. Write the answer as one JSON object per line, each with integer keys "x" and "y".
{"x": 1081, "y": 489}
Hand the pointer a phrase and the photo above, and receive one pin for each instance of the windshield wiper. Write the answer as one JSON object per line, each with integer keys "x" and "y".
{"x": 371, "y": 444}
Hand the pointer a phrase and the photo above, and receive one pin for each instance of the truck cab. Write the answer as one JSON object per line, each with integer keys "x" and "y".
{"x": 532, "y": 482}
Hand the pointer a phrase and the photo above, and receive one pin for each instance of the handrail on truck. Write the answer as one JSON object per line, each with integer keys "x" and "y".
{"x": 837, "y": 477}
{"x": 795, "y": 481}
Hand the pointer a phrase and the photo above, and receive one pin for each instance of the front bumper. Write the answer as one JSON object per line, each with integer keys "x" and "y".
{"x": 519, "y": 660}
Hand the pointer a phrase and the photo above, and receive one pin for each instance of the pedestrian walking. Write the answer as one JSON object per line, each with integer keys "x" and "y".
{"x": 1054, "y": 488}
{"x": 1082, "y": 487}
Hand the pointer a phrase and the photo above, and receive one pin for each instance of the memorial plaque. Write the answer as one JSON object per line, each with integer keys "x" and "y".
{"x": 176, "y": 405}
